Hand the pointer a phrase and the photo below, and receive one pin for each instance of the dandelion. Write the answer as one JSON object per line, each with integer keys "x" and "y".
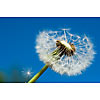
{"x": 64, "y": 52}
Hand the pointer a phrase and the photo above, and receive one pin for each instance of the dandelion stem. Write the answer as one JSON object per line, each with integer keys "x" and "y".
{"x": 38, "y": 74}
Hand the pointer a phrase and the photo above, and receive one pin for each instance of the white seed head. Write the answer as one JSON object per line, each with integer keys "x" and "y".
{"x": 70, "y": 65}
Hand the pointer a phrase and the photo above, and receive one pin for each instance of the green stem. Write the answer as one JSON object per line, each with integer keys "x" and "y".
{"x": 38, "y": 74}
{"x": 54, "y": 53}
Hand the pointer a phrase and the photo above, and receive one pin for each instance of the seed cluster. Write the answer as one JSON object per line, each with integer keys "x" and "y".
{"x": 67, "y": 53}
{"x": 65, "y": 50}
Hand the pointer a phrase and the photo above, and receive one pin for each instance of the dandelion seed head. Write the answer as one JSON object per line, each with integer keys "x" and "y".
{"x": 70, "y": 65}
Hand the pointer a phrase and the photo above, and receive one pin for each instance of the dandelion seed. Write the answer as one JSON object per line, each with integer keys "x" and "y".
{"x": 27, "y": 73}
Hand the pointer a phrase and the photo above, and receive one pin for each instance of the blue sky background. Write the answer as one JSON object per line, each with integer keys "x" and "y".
{"x": 17, "y": 46}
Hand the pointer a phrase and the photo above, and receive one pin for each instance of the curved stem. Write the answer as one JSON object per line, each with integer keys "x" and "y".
{"x": 54, "y": 53}
{"x": 38, "y": 74}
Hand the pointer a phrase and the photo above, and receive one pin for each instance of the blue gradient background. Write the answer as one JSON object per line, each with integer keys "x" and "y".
{"x": 17, "y": 45}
